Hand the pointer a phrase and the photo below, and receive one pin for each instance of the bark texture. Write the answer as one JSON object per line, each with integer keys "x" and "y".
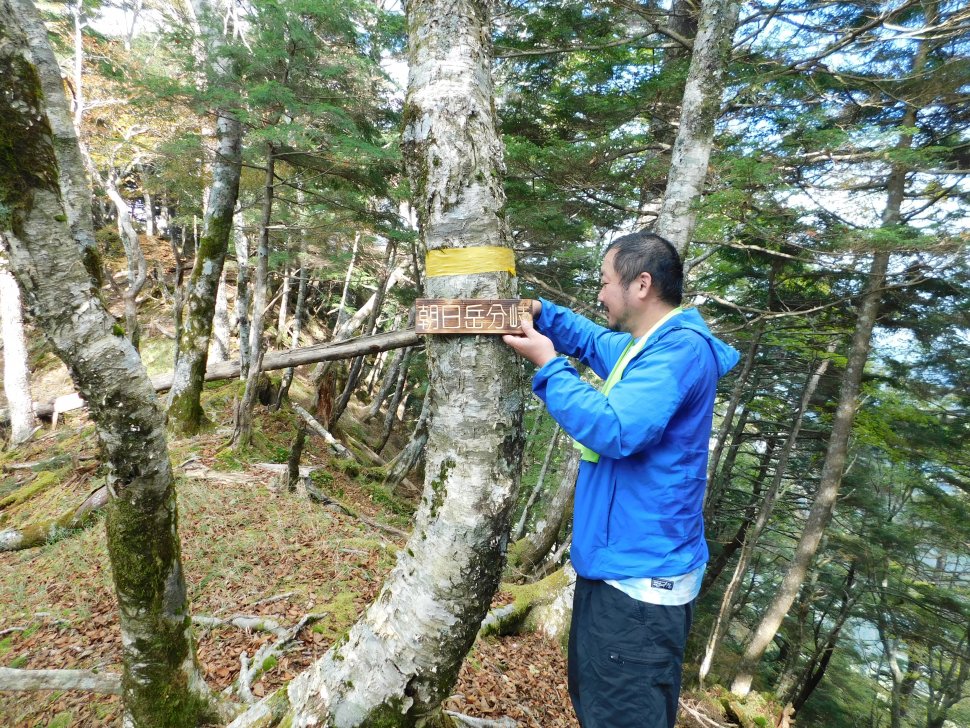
{"x": 161, "y": 683}
{"x": 402, "y": 658}
{"x": 184, "y": 408}
{"x": 699, "y": 110}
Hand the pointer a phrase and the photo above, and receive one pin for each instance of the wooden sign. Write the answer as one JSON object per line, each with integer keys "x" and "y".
{"x": 470, "y": 315}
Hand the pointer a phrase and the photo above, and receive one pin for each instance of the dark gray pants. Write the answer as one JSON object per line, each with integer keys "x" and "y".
{"x": 625, "y": 658}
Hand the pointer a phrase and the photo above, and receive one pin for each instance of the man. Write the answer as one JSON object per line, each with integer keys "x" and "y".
{"x": 638, "y": 531}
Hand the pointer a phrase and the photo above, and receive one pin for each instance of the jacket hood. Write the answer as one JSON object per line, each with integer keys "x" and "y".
{"x": 725, "y": 356}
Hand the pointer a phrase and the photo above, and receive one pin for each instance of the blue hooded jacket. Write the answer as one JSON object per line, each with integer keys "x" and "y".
{"x": 639, "y": 510}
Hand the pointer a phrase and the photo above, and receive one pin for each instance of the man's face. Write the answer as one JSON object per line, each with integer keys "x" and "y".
{"x": 614, "y": 297}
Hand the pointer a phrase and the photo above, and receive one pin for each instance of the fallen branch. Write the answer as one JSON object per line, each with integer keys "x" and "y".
{"x": 322, "y": 431}
{"x": 471, "y": 722}
{"x": 37, "y": 534}
{"x": 700, "y": 717}
{"x": 94, "y": 682}
{"x": 244, "y": 622}
{"x": 349, "y": 349}
{"x": 274, "y": 598}
{"x": 315, "y": 494}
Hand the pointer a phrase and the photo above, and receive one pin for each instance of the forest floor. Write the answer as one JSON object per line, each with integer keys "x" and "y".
{"x": 249, "y": 548}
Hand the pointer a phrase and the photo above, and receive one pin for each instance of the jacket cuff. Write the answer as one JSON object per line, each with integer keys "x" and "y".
{"x": 549, "y": 369}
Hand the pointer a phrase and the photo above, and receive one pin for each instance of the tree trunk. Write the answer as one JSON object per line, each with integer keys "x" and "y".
{"x": 402, "y": 658}
{"x": 519, "y": 530}
{"x": 242, "y": 292}
{"x": 390, "y": 384}
{"x": 161, "y": 684}
{"x": 72, "y": 180}
{"x": 392, "y": 408}
{"x": 299, "y": 313}
{"x": 16, "y": 375}
{"x": 815, "y": 669}
{"x": 716, "y": 565}
{"x": 221, "y": 330}
{"x": 699, "y": 111}
{"x": 729, "y": 599}
{"x": 412, "y": 454}
{"x": 185, "y": 413}
{"x": 375, "y": 312}
{"x": 664, "y": 110}
{"x": 740, "y": 389}
{"x": 244, "y": 411}
{"x": 838, "y": 447}
{"x": 137, "y": 266}
{"x": 831, "y": 479}
{"x": 528, "y": 554}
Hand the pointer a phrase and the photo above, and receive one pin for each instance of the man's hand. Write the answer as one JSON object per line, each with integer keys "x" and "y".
{"x": 531, "y": 344}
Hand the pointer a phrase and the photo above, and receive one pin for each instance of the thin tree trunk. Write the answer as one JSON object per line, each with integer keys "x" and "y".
{"x": 342, "y": 306}
{"x": 137, "y": 266}
{"x": 298, "y": 315}
{"x": 716, "y": 565}
{"x": 412, "y": 454}
{"x": 519, "y": 530}
{"x": 664, "y": 111}
{"x": 740, "y": 389}
{"x": 244, "y": 411}
{"x": 16, "y": 374}
{"x": 393, "y": 406}
{"x": 527, "y": 555}
{"x": 242, "y": 292}
{"x": 185, "y": 413}
{"x": 390, "y": 384}
{"x": 221, "y": 330}
{"x": 816, "y": 666}
{"x": 149, "y": 210}
{"x": 699, "y": 111}
{"x": 358, "y": 363}
{"x": 729, "y": 598}
{"x": 161, "y": 682}
{"x": 284, "y": 308}
{"x": 722, "y": 478}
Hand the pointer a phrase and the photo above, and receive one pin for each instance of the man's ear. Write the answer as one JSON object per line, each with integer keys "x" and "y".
{"x": 644, "y": 284}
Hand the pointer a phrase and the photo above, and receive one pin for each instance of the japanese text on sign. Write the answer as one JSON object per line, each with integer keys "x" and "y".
{"x": 469, "y": 315}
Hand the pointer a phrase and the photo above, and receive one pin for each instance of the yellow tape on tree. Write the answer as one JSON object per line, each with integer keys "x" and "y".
{"x": 465, "y": 261}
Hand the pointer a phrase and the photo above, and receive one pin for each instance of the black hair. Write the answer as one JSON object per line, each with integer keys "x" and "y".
{"x": 649, "y": 253}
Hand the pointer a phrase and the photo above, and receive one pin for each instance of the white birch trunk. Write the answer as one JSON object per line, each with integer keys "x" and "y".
{"x": 401, "y": 659}
{"x": 73, "y": 180}
{"x": 16, "y": 375}
{"x": 699, "y": 110}
{"x": 219, "y": 344}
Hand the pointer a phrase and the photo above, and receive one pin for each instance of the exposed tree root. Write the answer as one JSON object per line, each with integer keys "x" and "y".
{"x": 534, "y": 608}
